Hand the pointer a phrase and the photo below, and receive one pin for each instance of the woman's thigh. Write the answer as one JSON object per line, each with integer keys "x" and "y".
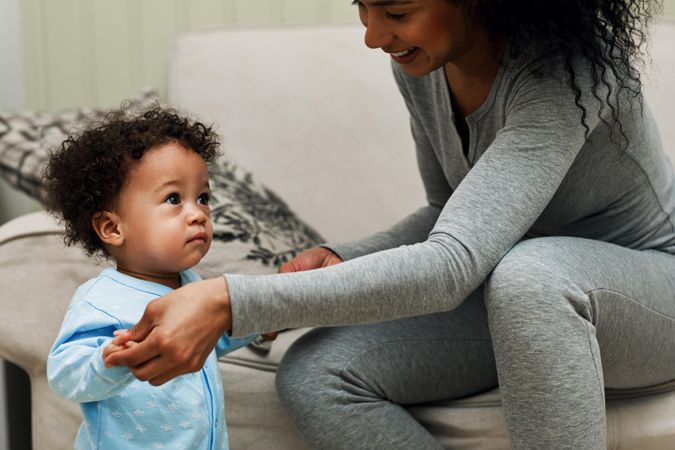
{"x": 407, "y": 361}
{"x": 625, "y": 298}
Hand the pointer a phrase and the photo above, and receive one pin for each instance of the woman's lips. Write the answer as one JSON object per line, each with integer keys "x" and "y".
{"x": 405, "y": 56}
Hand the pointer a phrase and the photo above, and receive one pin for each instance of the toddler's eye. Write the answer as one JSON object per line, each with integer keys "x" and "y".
{"x": 204, "y": 198}
{"x": 172, "y": 199}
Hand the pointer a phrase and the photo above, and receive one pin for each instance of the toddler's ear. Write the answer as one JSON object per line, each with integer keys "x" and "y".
{"x": 107, "y": 226}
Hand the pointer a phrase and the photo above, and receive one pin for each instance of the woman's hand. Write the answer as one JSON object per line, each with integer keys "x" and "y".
{"x": 176, "y": 333}
{"x": 314, "y": 258}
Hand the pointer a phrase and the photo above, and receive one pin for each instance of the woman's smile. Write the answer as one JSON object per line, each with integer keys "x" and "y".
{"x": 404, "y": 56}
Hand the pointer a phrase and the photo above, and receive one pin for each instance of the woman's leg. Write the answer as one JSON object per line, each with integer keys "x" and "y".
{"x": 568, "y": 317}
{"x": 345, "y": 386}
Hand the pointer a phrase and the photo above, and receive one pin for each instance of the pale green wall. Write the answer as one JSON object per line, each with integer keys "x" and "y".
{"x": 669, "y": 8}
{"x": 98, "y": 52}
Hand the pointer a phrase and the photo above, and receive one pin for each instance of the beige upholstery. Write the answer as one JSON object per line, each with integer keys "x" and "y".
{"x": 317, "y": 117}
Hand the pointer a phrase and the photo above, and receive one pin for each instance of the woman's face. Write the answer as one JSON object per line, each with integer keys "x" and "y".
{"x": 420, "y": 35}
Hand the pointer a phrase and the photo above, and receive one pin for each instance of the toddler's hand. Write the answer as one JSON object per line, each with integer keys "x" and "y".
{"x": 113, "y": 347}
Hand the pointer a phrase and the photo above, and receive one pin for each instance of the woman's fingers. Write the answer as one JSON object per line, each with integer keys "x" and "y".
{"x": 156, "y": 373}
{"x": 270, "y": 336}
{"x": 133, "y": 354}
{"x": 143, "y": 327}
{"x": 311, "y": 259}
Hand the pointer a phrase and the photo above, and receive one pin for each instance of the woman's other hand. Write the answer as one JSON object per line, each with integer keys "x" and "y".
{"x": 176, "y": 333}
{"x": 314, "y": 258}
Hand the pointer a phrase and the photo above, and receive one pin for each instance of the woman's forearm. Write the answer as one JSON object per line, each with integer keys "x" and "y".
{"x": 402, "y": 282}
{"x": 413, "y": 229}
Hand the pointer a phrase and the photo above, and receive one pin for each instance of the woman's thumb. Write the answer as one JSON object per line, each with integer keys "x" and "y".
{"x": 136, "y": 333}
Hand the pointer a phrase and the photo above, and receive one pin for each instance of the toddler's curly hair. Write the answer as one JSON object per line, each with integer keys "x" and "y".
{"x": 86, "y": 174}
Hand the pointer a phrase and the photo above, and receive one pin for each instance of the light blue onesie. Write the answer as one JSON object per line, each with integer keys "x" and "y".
{"x": 121, "y": 412}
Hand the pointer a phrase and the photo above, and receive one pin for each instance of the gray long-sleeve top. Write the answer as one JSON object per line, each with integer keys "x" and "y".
{"x": 530, "y": 170}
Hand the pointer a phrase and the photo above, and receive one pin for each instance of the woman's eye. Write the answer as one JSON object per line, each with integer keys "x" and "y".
{"x": 395, "y": 16}
{"x": 204, "y": 199}
{"x": 172, "y": 199}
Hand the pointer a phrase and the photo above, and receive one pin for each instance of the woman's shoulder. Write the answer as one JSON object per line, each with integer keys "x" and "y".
{"x": 543, "y": 65}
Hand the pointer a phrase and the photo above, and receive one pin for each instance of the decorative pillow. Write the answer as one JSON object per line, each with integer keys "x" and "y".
{"x": 27, "y": 137}
{"x": 254, "y": 231}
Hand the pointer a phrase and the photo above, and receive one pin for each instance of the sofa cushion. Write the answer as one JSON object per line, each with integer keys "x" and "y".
{"x": 329, "y": 131}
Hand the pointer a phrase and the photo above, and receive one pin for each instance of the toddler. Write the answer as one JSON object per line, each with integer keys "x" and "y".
{"x": 135, "y": 189}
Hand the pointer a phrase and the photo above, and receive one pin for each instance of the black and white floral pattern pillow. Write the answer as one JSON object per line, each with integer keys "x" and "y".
{"x": 245, "y": 211}
{"x": 27, "y": 137}
{"x": 254, "y": 230}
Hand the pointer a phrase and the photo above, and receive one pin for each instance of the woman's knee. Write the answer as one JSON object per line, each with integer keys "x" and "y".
{"x": 520, "y": 269}
{"x": 530, "y": 280}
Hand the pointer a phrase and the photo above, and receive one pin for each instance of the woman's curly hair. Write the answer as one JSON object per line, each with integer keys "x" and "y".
{"x": 86, "y": 174}
{"x": 608, "y": 34}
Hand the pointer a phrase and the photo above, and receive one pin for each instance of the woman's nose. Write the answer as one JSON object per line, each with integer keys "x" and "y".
{"x": 377, "y": 35}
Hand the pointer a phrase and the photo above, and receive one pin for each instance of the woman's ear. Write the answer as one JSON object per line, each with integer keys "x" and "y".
{"x": 107, "y": 225}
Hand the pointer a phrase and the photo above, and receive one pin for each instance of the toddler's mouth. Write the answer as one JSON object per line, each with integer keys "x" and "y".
{"x": 199, "y": 237}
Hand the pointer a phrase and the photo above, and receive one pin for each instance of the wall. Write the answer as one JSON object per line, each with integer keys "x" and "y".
{"x": 97, "y": 52}
{"x": 12, "y": 203}
{"x": 669, "y": 8}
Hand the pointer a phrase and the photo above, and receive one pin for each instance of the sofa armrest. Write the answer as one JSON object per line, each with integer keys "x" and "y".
{"x": 38, "y": 275}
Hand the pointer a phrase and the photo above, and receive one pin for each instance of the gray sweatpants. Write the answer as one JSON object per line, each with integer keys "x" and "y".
{"x": 557, "y": 321}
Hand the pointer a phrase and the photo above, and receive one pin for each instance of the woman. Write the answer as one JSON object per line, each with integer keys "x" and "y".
{"x": 544, "y": 261}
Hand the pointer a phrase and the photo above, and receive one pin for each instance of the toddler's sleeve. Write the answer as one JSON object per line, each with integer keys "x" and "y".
{"x": 75, "y": 368}
{"x": 228, "y": 344}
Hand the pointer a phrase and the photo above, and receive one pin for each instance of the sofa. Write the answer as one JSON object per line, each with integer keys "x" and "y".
{"x": 316, "y": 118}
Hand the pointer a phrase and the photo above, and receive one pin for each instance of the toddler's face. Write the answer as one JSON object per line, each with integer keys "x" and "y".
{"x": 164, "y": 213}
